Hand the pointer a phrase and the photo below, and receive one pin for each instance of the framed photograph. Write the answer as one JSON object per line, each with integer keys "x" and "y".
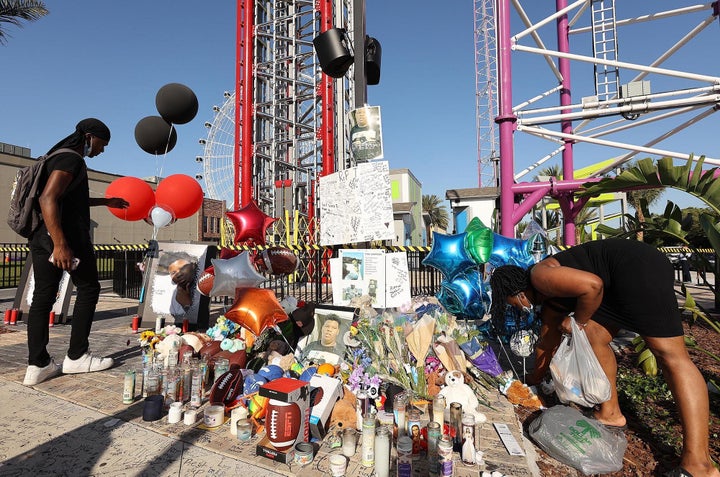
{"x": 327, "y": 342}
{"x": 366, "y": 141}
{"x": 171, "y": 285}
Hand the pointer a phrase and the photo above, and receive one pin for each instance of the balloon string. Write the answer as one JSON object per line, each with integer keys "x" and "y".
{"x": 160, "y": 167}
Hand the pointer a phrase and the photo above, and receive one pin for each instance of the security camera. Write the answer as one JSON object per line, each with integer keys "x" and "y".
{"x": 198, "y": 177}
{"x": 198, "y": 158}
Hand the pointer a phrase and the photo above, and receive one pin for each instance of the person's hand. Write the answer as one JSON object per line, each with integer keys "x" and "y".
{"x": 117, "y": 203}
{"x": 185, "y": 277}
{"x": 62, "y": 257}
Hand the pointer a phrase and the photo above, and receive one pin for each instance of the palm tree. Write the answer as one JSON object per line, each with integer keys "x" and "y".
{"x": 636, "y": 196}
{"x": 14, "y": 11}
{"x": 432, "y": 206}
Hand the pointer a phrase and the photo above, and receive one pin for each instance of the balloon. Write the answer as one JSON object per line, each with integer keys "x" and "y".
{"x": 465, "y": 294}
{"x": 508, "y": 251}
{"x": 176, "y": 103}
{"x": 233, "y": 273}
{"x": 137, "y": 192}
{"x": 250, "y": 223}
{"x": 256, "y": 309}
{"x": 478, "y": 241}
{"x": 155, "y": 135}
{"x": 180, "y": 192}
{"x": 448, "y": 254}
{"x": 160, "y": 217}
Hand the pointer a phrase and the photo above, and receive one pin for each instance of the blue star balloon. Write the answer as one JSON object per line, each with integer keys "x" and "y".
{"x": 448, "y": 254}
{"x": 509, "y": 251}
{"x": 465, "y": 295}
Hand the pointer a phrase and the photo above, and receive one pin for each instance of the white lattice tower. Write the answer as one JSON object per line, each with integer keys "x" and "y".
{"x": 486, "y": 91}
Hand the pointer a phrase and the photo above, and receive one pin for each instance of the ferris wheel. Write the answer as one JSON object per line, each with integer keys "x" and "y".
{"x": 217, "y": 159}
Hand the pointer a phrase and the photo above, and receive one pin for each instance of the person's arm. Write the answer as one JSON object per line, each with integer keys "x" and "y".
{"x": 553, "y": 280}
{"x": 114, "y": 202}
{"x": 49, "y": 201}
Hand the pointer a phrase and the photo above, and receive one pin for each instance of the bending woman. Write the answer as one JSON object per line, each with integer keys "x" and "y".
{"x": 610, "y": 285}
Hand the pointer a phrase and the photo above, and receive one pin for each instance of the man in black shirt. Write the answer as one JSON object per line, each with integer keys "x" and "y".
{"x": 62, "y": 243}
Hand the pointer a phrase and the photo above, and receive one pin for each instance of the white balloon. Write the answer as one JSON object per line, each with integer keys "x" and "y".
{"x": 161, "y": 217}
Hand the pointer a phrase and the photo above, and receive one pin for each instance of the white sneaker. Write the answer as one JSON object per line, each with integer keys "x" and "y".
{"x": 36, "y": 375}
{"x": 86, "y": 363}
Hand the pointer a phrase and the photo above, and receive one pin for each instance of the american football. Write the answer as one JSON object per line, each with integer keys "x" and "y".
{"x": 276, "y": 261}
{"x": 282, "y": 423}
{"x": 206, "y": 281}
{"x": 227, "y": 388}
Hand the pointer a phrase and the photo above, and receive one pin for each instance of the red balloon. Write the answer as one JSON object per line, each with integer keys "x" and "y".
{"x": 180, "y": 193}
{"x": 250, "y": 223}
{"x": 256, "y": 309}
{"x": 137, "y": 192}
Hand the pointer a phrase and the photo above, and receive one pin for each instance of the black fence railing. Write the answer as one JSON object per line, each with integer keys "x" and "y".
{"x": 311, "y": 281}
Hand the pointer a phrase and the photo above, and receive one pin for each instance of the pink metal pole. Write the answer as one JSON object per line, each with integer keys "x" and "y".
{"x": 240, "y": 6}
{"x": 506, "y": 120}
{"x": 566, "y": 125}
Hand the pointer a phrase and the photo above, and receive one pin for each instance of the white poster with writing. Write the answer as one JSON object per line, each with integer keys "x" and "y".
{"x": 383, "y": 277}
{"x": 356, "y": 205}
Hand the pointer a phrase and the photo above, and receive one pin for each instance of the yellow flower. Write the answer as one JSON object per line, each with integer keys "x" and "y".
{"x": 354, "y": 331}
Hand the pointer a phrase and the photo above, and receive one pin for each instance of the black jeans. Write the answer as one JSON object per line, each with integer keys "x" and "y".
{"x": 47, "y": 283}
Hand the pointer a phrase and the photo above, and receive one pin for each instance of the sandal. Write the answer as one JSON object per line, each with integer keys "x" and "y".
{"x": 677, "y": 472}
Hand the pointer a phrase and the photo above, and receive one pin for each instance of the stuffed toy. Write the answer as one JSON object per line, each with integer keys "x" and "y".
{"x": 343, "y": 414}
{"x": 456, "y": 390}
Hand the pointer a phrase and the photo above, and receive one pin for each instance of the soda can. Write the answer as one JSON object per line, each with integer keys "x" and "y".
{"x": 129, "y": 387}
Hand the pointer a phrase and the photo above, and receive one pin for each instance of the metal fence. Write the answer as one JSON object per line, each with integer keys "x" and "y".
{"x": 311, "y": 281}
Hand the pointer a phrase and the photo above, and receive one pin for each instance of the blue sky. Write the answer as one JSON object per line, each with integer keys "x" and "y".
{"x": 108, "y": 60}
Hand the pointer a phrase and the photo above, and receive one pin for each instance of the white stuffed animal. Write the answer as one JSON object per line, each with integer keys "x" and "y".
{"x": 163, "y": 348}
{"x": 456, "y": 390}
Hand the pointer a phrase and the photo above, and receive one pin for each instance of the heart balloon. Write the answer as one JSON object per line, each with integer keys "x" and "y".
{"x": 478, "y": 240}
{"x": 465, "y": 295}
{"x": 448, "y": 255}
{"x": 137, "y": 192}
{"x": 233, "y": 273}
{"x": 160, "y": 217}
{"x": 250, "y": 224}
{"x": 256, "y": 309}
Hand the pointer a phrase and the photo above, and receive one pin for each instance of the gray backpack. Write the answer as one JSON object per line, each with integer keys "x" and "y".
{"x": 25, "y": 216}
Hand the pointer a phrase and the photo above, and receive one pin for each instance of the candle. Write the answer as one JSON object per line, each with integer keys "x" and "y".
{"x": 368, "y": 441}
{"x": 175, "y": 413}
{"x": 382, "y": 452}
{"x": 404, "y": 456}
{"x": 349, "y": 442}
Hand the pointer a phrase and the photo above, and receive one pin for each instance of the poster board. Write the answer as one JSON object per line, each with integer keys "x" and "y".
{"x": 161, "y": 297}
{"x": 366, "y": 142}
{"x": 26, "y": 287}
{"x": 328, "y": 340}
{"x": 384, "y": 277}
{"x": 356, "y": 205}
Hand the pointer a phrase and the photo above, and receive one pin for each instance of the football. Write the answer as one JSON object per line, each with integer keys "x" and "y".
{"x": 206, "y": 281}
{"x": 227, "y": 388}
{"x": 276, "y": 261}
{"x": 282, "y": 423}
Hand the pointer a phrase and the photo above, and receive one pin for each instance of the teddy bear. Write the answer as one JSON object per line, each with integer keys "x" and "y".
{"x": 456, "y": 390}
{"x": 344, "y": 412}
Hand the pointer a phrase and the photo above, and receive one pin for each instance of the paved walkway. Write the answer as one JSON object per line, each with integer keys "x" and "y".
{"x": 76, "y": 425}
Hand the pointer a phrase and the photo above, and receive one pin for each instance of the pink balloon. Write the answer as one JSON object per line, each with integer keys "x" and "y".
{"x": 180, "y": 193}
{"x": 250, "y": 224}
{"x": 137, "y": 192}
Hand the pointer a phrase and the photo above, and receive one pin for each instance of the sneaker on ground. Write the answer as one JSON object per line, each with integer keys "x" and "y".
{"x": 36, "y": 374}
{"x": 86, "y": 363}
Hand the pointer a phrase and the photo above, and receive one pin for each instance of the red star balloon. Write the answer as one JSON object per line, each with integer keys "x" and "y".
{"x": 250, "y": 224}
{"x": 256, "y": 309}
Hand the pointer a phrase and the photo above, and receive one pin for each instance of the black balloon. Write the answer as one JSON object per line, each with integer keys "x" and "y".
{"x": 155, "y": 135}
{"x": 176, "y": 103}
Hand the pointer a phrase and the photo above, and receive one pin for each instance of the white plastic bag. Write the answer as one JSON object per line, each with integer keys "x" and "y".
{"x": 576, "y": 373}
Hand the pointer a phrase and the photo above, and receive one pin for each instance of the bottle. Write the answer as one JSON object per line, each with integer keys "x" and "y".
{"x": 368, "y": 441}
{"x": 129, "y": 387}
{"x": 404, "y": 456}
{"x": 382, "y": 451}
{"x": 467, "y": 453}
{"x": 413, "y": 429}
